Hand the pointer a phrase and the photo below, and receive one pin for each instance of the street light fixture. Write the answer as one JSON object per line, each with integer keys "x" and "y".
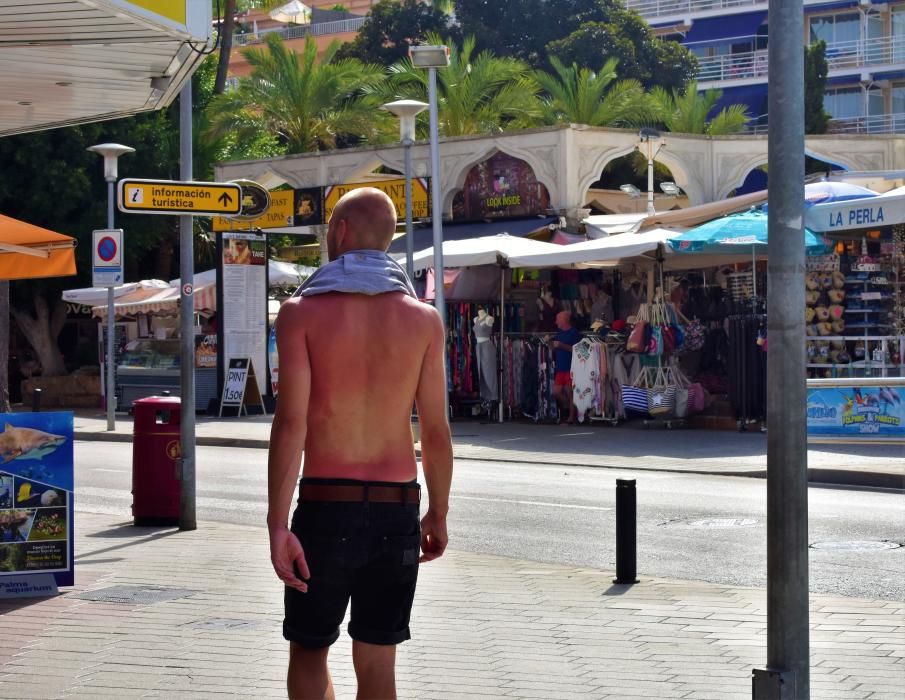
{"x": 432, "y": 58}
{"x": 646, "y": 135}
{"x": 110, "y": 153}
{"x": 670, "y": 189}
{"x": 631, "y": 191}
{"x": 407, "y": 110}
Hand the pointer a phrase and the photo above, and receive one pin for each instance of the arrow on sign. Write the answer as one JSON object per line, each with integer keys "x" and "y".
{"x": 224, "y": 199}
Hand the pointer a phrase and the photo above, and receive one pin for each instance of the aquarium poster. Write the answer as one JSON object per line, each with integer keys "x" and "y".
{"x": 877, "y": 412}
{"x": 36, "y": 482}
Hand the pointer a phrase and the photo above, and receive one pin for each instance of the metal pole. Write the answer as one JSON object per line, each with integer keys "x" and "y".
{"x": 437, "y": 204}
{"x": 650, "y": 179}
{"x": 409, "y": 241}
{"x": 111, "y": 327}
{"x": 502, "y": 372}
{"x": 787, "y": 672}
{"x": 187, "y": 325}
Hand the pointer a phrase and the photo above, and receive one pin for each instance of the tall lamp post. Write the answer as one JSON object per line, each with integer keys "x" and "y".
{"x": 111, "y": 153}
{"x": 432, "y": 58}
{"x": 407, "y": 110}
{"x": 646, "y": 134}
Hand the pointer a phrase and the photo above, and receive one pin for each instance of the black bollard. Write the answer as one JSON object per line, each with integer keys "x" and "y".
{"x": 626, "y": 532}
{"x": 36, "y": 401}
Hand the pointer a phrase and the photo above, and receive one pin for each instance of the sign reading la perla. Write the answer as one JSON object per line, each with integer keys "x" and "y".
{"x": 885, "y": 210}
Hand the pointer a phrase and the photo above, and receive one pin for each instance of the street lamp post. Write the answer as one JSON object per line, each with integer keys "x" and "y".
{"x": 111, "y": 153}
{"x": 646, "y": 135}
{"x": 432, "y": 58}
{"x": 407, "y": 110}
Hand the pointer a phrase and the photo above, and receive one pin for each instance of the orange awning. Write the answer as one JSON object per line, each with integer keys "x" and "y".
{"x": 28, "y": 252}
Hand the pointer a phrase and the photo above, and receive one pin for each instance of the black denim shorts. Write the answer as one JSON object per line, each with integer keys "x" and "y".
{"x": 363, "y": 552}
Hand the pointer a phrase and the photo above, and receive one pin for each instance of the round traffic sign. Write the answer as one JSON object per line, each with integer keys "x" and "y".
{"x": 106, "y": 249}
{"x": 187, "y": 289}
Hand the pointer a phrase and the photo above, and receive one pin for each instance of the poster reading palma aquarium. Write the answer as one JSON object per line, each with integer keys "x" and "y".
{"x": 36, "y": 482}
{"x": 877, "y": 412}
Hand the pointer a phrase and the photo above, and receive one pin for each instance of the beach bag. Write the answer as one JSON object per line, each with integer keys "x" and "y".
{"x": 661, "y": 401}
{"x": 697, "y": 398}
{"x": 637, "y": 339}
{"x": 634, "y": 399}
{"x": 655, "y": 344}
{"x": 694, "y": 336}
{"x": 681, "y": 408}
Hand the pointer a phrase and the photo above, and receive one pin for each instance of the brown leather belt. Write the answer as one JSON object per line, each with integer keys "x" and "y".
{"x": 350, "y": 493}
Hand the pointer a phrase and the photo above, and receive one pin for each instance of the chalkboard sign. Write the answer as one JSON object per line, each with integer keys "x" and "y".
{"x": 237, "y": 391}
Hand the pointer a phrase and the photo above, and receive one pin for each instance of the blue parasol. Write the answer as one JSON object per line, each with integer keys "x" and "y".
{"x": 746, "y": 229}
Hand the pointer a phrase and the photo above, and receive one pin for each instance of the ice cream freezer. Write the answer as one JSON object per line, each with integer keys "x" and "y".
{"x": 149, "y": 367}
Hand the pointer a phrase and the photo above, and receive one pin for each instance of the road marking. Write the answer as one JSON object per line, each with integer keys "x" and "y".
{"x": 110, "y": 471}
{"x": 546, "y": 504}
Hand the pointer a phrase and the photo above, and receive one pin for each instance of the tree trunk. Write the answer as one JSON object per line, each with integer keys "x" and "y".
{"x": 227, "y": 27}
{"x": 4, "y": 346}
{"x": 41, "y": 331}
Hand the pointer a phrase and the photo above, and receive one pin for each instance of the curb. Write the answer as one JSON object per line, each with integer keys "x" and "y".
{"x": 816, "y": 475}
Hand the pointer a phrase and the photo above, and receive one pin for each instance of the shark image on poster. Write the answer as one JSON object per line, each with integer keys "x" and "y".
{"x": 37, "y": 446}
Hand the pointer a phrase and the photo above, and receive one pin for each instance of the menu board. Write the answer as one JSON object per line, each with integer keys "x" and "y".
{"x": 244, "y": 313}
{"x": 36, "y": 482}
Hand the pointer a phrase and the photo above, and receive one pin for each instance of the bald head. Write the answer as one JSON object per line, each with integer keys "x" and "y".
{"x": 363, "y": 219}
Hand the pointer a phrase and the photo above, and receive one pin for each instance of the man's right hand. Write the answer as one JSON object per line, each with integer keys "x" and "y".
{"x": 286, "y": 550}
{"x": 434, "y": 537}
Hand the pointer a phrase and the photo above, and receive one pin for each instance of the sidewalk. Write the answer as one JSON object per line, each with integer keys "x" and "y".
{"x": 483, "y": 626}
{"x": 593, "y": 445}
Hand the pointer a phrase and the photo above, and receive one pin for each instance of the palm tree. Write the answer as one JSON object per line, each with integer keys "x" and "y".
{"x": 309, "y": 104}
{"x": 581, "y": 96}
{"x": 687, "y": 112}
{"x": 476, "y": 94}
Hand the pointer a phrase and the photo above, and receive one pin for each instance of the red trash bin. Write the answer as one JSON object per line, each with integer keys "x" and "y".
{"x": 155, "y": 449}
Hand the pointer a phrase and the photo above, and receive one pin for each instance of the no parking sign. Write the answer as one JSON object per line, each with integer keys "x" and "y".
{"x": 107, "y": 266}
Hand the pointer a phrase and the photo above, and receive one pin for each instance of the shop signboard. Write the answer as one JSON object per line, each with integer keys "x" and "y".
{"x": 395, "y": 189}
{"x": 498, "y": 188}
{"x": 243, "y": 317}
{"x": 308, "y": 206}
{"x": 857, "y": 214}
{"x": 206, "y": 351}
{"x": 279, "y": 215}
{"x": 36, "y": 516}
{"x": 876, "y": 412}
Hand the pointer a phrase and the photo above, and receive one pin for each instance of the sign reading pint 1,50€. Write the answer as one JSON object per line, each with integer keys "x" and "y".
{"x": 171, "y": 197}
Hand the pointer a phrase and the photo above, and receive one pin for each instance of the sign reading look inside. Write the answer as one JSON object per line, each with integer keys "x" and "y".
{"x": 171, "y": 197}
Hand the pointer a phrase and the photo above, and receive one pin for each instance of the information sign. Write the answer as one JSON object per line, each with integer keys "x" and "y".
{"x": 107, "y": 258}
{"x": 171, "y": 197}
{"x": 36, "y": 516}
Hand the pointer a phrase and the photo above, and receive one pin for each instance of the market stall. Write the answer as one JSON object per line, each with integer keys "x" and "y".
{"x": 147, "y": 332}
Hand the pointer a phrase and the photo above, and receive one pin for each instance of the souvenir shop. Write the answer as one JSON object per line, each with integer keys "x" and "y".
{"x": 654, "y": 338}
{"x": 856, "y": 304}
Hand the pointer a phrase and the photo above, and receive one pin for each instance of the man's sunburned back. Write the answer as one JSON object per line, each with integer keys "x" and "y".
{"x": 365, "y": 354}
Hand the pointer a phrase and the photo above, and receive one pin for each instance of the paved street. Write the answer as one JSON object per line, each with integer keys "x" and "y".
{"x": 695, "y": 451}
{"x": 707, "y": 528}
{"x": 483, "y": 627}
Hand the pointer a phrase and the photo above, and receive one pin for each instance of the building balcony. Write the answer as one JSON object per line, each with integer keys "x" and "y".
{"x": 752, "y": 66}
{"x": 665, "y": 11}
{"x": 873, "y": 124}
{"x": 343, "y": 26}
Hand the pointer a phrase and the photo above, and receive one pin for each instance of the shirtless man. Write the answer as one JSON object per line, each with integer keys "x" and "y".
{"x": 351, "y": 365}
